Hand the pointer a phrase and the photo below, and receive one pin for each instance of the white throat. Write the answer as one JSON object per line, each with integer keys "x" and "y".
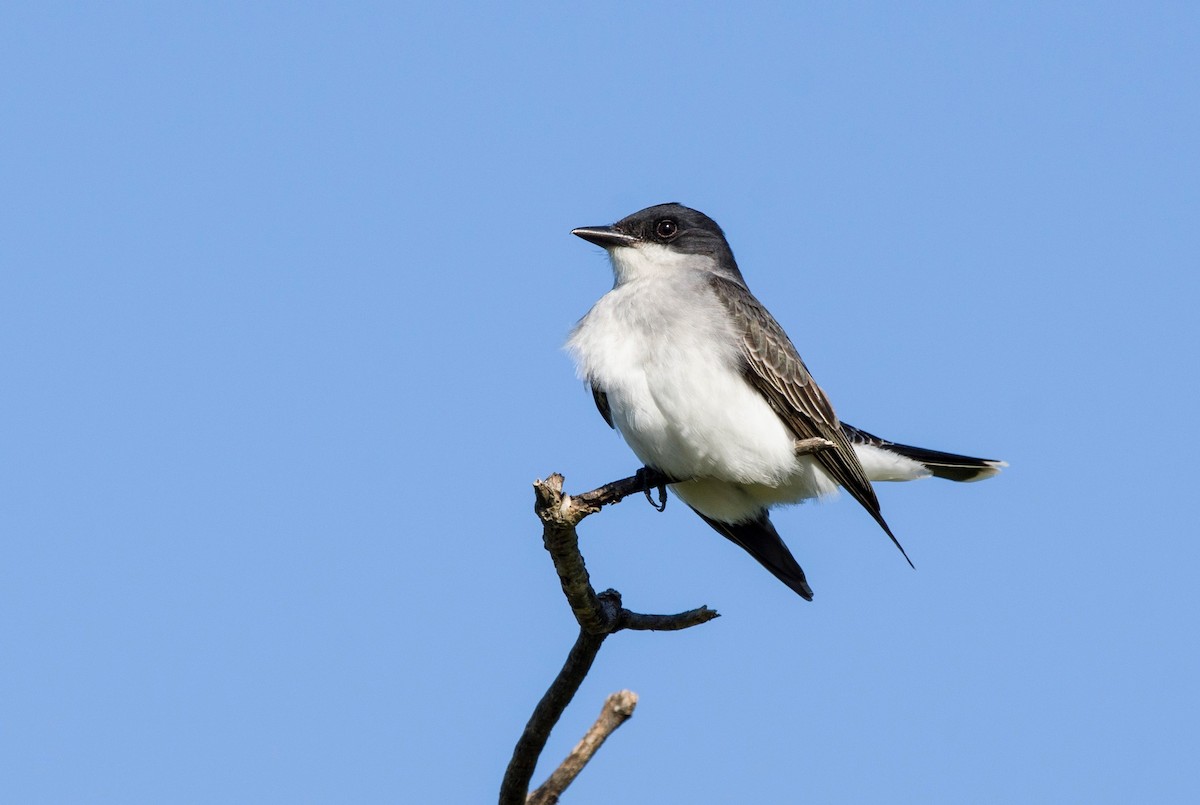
{"x": 654, "y": 261}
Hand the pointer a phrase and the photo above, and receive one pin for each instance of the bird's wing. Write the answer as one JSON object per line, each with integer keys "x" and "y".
{"x": 759, "y": 538}
{"x": 602, "y": 405}
{"x": 774, "y": 368}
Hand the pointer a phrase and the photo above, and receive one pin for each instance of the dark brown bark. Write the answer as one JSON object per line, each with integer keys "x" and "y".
{"x": 618, "y": 707}
{"x": 598, "y": 615}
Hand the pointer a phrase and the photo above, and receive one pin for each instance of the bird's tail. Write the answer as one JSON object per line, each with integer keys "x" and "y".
{"x": 950, "y": 466}
{"x": 760, "y": 539}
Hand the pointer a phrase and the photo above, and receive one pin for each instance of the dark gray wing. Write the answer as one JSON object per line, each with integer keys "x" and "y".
{"x": 774, "y": 368}
{"x": 602, "y": 405}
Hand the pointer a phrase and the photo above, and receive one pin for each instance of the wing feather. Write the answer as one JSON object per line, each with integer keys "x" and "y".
{"x": 774, "y": 368}
{"x": 602, "y": 405}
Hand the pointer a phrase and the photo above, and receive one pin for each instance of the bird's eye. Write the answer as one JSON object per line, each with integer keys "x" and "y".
{"x": 666, "y": 229}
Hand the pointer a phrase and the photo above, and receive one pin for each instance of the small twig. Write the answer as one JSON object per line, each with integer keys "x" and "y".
{"x": 645, "y": 479}
{"x": 664, "y": 623}
{"x": 618, "y": 707}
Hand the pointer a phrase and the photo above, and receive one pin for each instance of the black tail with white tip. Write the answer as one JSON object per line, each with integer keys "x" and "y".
{"x": 950, "y": 466}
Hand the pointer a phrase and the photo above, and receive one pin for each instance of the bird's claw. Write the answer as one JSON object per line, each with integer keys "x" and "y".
{"x": 644, "y": 475}
{"x": 662, "y": 498}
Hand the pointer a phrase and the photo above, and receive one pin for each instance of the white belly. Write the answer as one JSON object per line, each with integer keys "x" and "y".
{"x": 674, "y": 385}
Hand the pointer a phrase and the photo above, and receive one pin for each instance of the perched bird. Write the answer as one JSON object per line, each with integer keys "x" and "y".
{"x": 707, "y": 388}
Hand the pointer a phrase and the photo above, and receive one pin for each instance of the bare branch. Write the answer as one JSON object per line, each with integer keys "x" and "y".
{"x": 560, "y": 513}
{"x": 598, "y": 615}
{"x": 617, "y": 491}
{"x": 533, "y": 740}
{"x": 665, "y": 623}
{"x": 618, "y": 707}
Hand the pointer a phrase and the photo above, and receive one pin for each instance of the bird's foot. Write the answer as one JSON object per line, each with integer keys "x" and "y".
{"x": 651, "y": 479}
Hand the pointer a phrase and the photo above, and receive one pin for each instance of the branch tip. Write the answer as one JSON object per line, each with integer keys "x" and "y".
{"x": 617, "y": 709}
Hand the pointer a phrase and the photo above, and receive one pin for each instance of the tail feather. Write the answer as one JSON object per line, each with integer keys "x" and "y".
{"x": 760, "y": 539}
{"x": 950, "y": 466}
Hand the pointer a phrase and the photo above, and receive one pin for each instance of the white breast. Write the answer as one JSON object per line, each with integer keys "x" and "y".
{"x": 659, "y": 345}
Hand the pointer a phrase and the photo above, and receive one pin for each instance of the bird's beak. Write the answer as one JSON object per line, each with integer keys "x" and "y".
{"x": 604, "y": 236}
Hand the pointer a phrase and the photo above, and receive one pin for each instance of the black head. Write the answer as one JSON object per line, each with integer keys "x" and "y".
{"x": 674, "y": 226}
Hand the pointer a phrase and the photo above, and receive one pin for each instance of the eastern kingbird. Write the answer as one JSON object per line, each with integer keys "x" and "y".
{"x": 706, "y": 388}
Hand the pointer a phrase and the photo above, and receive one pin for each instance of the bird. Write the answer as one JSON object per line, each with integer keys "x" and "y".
{"x": 707, "y": 389}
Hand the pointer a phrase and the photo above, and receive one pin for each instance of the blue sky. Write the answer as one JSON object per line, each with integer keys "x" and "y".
{"x": 282, "y": 294}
